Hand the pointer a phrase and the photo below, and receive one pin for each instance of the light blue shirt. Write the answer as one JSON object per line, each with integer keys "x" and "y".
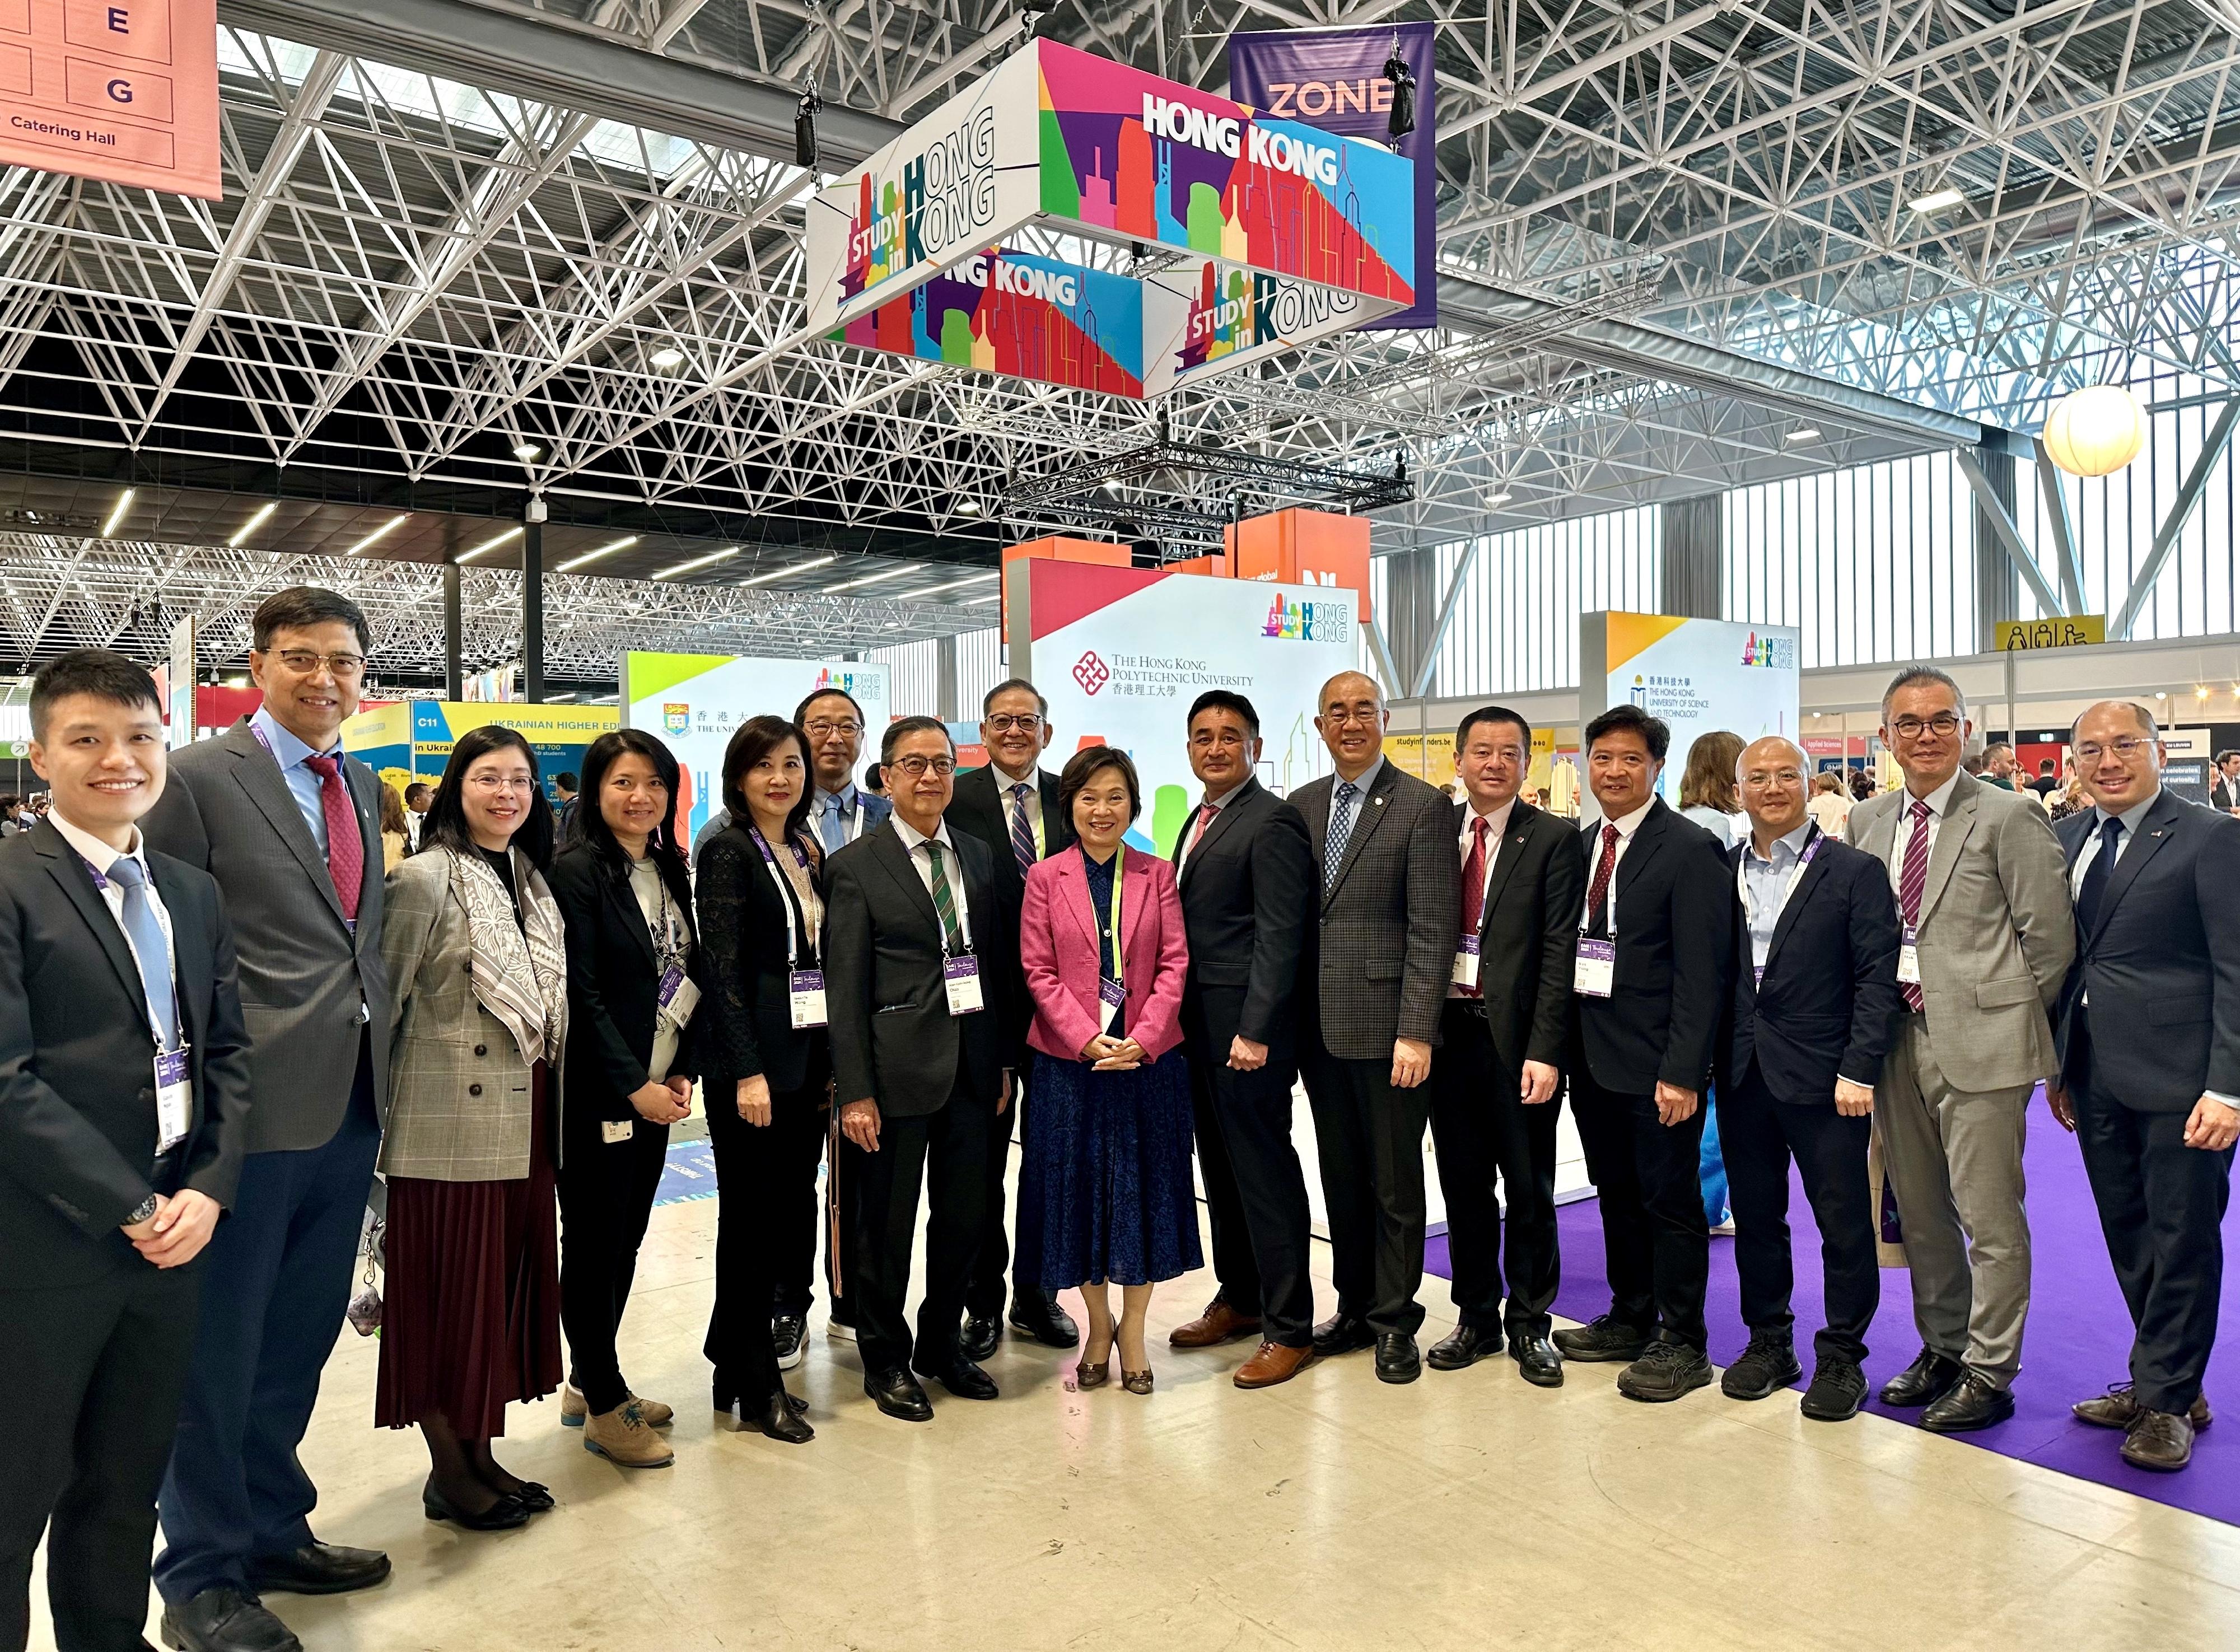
{"x": 1767, "y": 881}
{"x": 832, "y": 827}
{"x": 302, "y": 780}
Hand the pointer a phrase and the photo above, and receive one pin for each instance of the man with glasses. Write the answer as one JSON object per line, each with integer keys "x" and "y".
{"x": 1986, "y": 938}
{"x": 2148, "y": 1028}
{"x": 840, "y": 812}
{"x": 1815, "y": 1002}
{"x": 1012, "y": 807}
{"x": 290, "y": 826}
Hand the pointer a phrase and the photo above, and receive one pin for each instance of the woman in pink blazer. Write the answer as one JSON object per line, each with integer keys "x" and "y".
{"x": 1106, "y": 1194}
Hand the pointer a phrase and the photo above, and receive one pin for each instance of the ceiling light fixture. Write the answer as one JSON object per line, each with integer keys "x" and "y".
{"x": 252, "y": 524}
{"x": 1804, "y": 433}
{"x": 526, "y": 451}
{"x": 974, "y": 602}
{"x": 953, "y": 584}
{"x": 666, "y": 357}
{"x": 968, "y": 507}
{"x": 1938, "y": 200}
{"x": 713, "y": 557}
{"x": 791, "y": 568}
{"x": 590, "y": 556}
{"x": 393, "y": 522}
{"x": 1501, "y": 498}
{"x": 116, "y": 512}
{"x": 490, "y": 545}
{"x": 872, "y": 579}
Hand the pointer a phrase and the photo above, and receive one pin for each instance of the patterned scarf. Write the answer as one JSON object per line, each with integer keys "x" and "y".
{"x": 519, "y": 972}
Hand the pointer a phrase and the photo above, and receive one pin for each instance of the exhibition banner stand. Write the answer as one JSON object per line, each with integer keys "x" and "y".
{"x": 409, "y": 740}
{"x": 1696, "y": 675}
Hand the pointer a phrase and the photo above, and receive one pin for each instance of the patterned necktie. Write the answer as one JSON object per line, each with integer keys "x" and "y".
{"x": 1598, "y": 891}
{"x": 1912, "y": 879}
{"x": 345, "y": 849}
{"x": 1474, "y": 887}
{"x": 2095, "y": 886}
{"x": 1341, "y": 828}
{"x": 151, "y": 950}
{"x": 1023, "y": 830}
{"x": 945, "y": 900}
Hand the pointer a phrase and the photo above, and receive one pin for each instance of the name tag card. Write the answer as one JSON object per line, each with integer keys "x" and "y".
{"x": 1111, "y": 994}
{"x": 962, "y": 977}
{"x": 1595, "y": 967}
{"x": 1466, "y": 953}
{"x": 175, "y": 1099}
{"x": 1908, "y": 961}
{"x": 806, "y": 989}
{"x": 612, "y": 1130}
{"x": 678, "y": 997}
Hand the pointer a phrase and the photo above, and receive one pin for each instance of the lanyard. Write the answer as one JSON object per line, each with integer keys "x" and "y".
{"x": 784, "y": 895}
{"x": 155, "y": 1027}
{"x": 1119, "y": 865}
{"x": 1813, "y": 841}
{"x": 668, "y": 948}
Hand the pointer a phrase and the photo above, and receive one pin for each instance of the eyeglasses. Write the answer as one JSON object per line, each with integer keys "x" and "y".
{"x": 1943, "y": 725}
{"x": 501, "y": 783}
{"x": 1366, "y": 716}
{"x": 821, "y": 728}
{"x": 1004, "y": 721}
{"x": 916, "y": 767}
{"x": 2127, "y": 746}
{"x": 1778, "y": 777}
{"x": 303, "y": 662}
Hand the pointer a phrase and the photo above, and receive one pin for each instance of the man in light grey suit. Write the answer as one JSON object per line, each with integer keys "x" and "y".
{"x": 1984, "y": 900}
{"x": 289, "y": 829}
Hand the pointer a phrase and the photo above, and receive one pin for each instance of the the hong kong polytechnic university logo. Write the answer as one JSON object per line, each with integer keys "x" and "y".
{"x": 1090, "y": 672}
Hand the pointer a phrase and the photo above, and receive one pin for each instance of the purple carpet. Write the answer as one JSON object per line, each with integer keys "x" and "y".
{"x": 2077, "y": 1341}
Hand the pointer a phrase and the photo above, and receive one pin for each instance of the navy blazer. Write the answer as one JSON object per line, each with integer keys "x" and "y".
{"x": 1829, "y": 1005}
{"x": 2163, "y": 985}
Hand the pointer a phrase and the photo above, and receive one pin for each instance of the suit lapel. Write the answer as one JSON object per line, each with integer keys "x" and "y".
{"x": 1504, "y": 862}
{"x": 1807, "y": 881}
{"x": 899, "y": 866}
{"x": 1881, "y": 835}
{"x": 1369, "y": 813}
{"x": 1952, "y": 833}
{"x": 2155, "y": 831}
{"x": 623, "y": 899}
{"x": 1076, "y": 897}
{"x": 1648, "y": 838}
{"x": 258, "y": 772}
{"x": 187, "y": 941}
{"x": 1222, "y": 817}
{"x": 1135, "y": 896}
{"x": 69, "y": 869}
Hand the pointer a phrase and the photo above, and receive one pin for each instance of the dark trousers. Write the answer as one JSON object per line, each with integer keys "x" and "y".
{"x": 949, "y": 1150}
{"x": 759, "y": 1169}
{"x": 799, "y": 1214}
{"x": 277, "y": 1280}
{"x": 606, "y": 1194}
{"x": 1369, "y": 1136}
{"x": 1758, "y": 1134}
{"x": 984, "y": 1297}
{"x": 1480, "y": 1128}
{"x": 2161, "y": 1211}
{"x": 1255, "y": 1194}
{"x": 1655, "y": 1244}
{"x": 95, "y": 1373}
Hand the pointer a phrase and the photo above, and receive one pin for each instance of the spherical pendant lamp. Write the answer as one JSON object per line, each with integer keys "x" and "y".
{"x": 2096, "y": 431}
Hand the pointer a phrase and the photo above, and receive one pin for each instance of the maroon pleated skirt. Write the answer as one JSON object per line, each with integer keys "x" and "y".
{"x": 470, "y": 1311}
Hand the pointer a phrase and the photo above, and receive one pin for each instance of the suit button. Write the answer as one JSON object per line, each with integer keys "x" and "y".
{"x": 482, "y": 1049}
{"x": 474, "y": 1090}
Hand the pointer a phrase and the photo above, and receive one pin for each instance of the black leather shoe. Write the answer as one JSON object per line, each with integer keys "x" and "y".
{"x": 779, "y": 1420}
{"x": 897, "y": 1392}
{"x": 226, "y": 1620}
{"x": 534, "y": 1496}
{"x": 962, "y": 1378}
{"x": 1537, "y": 1361}
{"x": 1930, "y": 1378}
{"x": 503, "y": 1515}
{"x": 1463, "y": 1346}
{"x": 978, "y": 1339}
{"x": 1973, "y": 1404}
{"x": 317, "y": 1569}
{"x": 1767, "y": 1366}
{"x": 1603, "y": 1339}
{"x": 1665, "y": 1371}
{"x": 1839, "y": 1388}
{"x": 1043, "y": 1320}
{"x": 1397, "y": 1359}
{"x": 1342, "y": 1334}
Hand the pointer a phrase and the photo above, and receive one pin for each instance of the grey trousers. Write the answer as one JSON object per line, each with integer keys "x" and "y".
{"x": 1955, "y": 1159}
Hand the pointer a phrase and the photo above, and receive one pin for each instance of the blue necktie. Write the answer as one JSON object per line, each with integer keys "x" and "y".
{"x": 1341, "y": 829}
{"x": 150, "y": 947}
{"x": 2097, "y": 875}
{"x": 827, "y": 822}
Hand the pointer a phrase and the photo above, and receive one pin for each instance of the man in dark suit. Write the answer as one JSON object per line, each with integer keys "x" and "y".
{"x": 1655, "y": 959}
{"x": 1494, "y": 1102}
{"x": 2224, "y": 790}
{"x": 1814, "y": 1007}
{"x": 1382, "y": 842}
{"x": 1246, "y": 876}
{"x": 124, "y": 1094}
{"x": 288, "y": 825}
{"x": 1011, "y": 806}
{"x": 925, "y": 999}
{"x": 2147, "y": 1029}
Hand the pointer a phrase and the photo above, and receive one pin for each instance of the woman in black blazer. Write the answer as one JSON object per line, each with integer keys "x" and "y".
{"x": 634, "y": 976}
{"x": 766, "y": 1058}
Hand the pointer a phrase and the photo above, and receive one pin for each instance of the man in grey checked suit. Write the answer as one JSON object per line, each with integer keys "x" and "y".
{"x": 1984, "y": 901}
{"x": 1384, "y": 949}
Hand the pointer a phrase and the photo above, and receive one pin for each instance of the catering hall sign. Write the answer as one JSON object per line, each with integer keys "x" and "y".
{"x": 1284, "y": 233}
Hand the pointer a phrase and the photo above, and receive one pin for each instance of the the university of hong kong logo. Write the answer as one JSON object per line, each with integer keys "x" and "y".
{"x": 676, "y": 718}
{"x": 1090, "y": 672}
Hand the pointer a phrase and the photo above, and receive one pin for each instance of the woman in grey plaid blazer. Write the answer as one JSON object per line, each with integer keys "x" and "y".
{"x": 477, "y": 961}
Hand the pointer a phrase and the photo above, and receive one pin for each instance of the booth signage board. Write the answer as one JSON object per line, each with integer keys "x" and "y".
{"x": 1288, "y": 233}
{"x": 694, "y": 703}
{"x": 2069, "y": 630}
{"x": 179, "y": 680}
{"x": 123, "y": 91}
{"x": 409, "y": 740}
{"x": 1696, "y": 675}
{"x": 1120, "y": 653}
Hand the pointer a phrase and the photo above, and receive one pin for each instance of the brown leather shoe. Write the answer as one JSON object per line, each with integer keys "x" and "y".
{"x": 1272, "y": 1363}
{"x": 1218, "y": 1324}
{"x": 2160, "y": 1439}
{"x": 2119, "y": 1408}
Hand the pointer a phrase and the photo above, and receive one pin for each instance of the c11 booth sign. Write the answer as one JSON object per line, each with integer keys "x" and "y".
{"x": 1696, "y": 675}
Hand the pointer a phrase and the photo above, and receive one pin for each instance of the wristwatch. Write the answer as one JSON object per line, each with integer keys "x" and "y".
{"x": 146, "y": 1209}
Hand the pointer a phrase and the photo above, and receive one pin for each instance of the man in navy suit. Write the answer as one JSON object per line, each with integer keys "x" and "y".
{"x": 2148, "y": 1030}
{"x": 1812, "y": 1018}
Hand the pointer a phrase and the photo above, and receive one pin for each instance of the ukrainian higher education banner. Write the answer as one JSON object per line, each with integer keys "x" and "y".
{"x": 1696, "y": 675}
{"x": 1333, "y": 79}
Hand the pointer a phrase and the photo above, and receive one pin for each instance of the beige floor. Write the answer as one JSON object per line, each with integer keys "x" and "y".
{"x": 1335, "y": 1512}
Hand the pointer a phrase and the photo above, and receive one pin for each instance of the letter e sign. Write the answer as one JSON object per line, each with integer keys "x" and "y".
{"x": 123, "y": 91}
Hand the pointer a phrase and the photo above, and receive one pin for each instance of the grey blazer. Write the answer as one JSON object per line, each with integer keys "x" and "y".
{"x": 460, "y": 1095}
{"x": 304, "y": 975}
{"x": 1997, "y": 934}
{"x": 1386, "y": 946}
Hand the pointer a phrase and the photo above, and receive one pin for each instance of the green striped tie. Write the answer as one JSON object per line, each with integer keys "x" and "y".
{"x": 945, "y": 900}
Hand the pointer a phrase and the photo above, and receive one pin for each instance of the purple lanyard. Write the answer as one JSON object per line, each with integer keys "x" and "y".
{"x": 101, "y": 884}
{"x": 1814, "y": 841}
{"x": 785, "y": 897}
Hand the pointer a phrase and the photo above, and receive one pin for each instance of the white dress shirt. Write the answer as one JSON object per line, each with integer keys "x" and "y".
{"x": 915, "y": 841}
{"x": 1496, "y": 827}
{"x": 101, "y": 857}
{"x": 1627, "y": 825}
{"x": 1939, "y": 801}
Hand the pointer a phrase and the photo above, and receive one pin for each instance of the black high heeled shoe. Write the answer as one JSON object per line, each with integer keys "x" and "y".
{"x": 781, "y": 1419}
{"x": 507, "y": 1513}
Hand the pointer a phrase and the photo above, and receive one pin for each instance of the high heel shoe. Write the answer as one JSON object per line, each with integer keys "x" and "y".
{"x": 504, "y": 1514}
{"x": 1094, "y": 1373}
{"x": 1136, "y": 1381}
{"x": 781, "y": 1419}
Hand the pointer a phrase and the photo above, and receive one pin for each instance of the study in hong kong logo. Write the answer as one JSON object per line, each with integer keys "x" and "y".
{"x": 1090, "y": 672}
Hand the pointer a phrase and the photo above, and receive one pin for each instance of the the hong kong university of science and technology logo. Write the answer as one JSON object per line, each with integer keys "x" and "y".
{"x": 676, "y": 718}
{"x": 1090, "y": 672}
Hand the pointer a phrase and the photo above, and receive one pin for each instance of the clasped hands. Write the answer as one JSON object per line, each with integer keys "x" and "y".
{"x": 176, "y": 1234}
{"x": 1106, "y": 1054}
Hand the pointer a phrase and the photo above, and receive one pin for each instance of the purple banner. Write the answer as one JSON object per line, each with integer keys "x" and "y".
{"x": 1333, "y": 79}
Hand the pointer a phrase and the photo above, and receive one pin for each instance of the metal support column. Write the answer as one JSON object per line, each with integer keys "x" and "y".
{"x": 945, "y": 655}
{"x": 454, "y": 674}
{"x": 532, "y": 603}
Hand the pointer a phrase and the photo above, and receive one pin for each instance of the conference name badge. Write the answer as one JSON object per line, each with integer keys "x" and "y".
{"x": 677, "y": 997}
{"x": 806, "y": 989}
{"x": 1595, "y": 968}
{"x": 175, "y": 1099}
{"x": 1908, "y": 961}
{"x": 1465, "y": 972}
{"x": 962, "y": 977}
{"x": 612, "y": 1130}
{"x": 1111, "y": 994}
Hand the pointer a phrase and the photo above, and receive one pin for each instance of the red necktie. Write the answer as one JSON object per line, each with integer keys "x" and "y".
{"x": 1205, "y": 814}
{"x": 1598, "y": 891}
{"x": 1912, "y": 879}
{"x": 345, "y": 847}
{"x": 1473, "y": 889}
